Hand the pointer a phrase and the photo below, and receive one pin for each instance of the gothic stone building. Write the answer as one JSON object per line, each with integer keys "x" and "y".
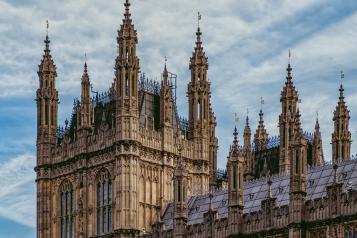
{"x": 127, "y": 165}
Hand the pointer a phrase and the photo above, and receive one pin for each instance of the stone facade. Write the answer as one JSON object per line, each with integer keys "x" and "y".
{"x": 109, "y": 172}
{"x": 127, "y": 165}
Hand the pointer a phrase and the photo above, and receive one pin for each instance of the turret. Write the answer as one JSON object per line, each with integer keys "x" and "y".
{"x": 201, "y": 117}
{"x": 317, "y": 152}
{"x": 166, "y": 103}
{"x": 289, "y": 99}
{"x": 298, "y": 171}
{"x": 341, "y": 137}
{"x": 198, "y": 91}
{"x": 85, "y": 109}
{"x": 247, "y": 152}
{"x": 126, "y": 76}
{"x": 47, "y": 106}
{"x": 235, "y": 168}
{"x": 47, "y": 103}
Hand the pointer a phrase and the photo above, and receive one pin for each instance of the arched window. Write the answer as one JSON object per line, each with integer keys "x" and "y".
{"x": 199, "y": 109}
{"x": 104, "y": 203}
{"x": 297, "y": 162}
{"x": 46, "y": 113}
{"x": 133, "y": 93}
{"x": 126, "y": 82}
{"x": 234, "y": 177}
{"x": 66, "y": 207}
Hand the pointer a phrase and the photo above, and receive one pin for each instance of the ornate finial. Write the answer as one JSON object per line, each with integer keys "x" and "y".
{"x": 317, "y": 115}
{"x": 165, "y": 60}
{"x": 247, "y": 118}
{"x": 289, "y": 69}
{"x": 85, "y": 62}
{"x": 341, "y": 85}
{"x": 235, "y": 134}
{"x": 261, "y": 103}
{"x": 47, "y": 41}
{"x": 199, "y": 17}
{"x": 47, "y": 26}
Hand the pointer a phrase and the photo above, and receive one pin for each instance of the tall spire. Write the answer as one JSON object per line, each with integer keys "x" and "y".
{"x": 198, "y": 56}
{"x": 166, "y": 102}
{"x": 289, "y": 99}
{"x": 341, "y": 137}
{"x": 317, "y": 151}
{"x": 47, "y": 64}
{"x": 165, "y": 73}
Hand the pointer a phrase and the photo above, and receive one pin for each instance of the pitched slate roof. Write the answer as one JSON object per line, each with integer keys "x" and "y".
{"x": 255, "y": 191}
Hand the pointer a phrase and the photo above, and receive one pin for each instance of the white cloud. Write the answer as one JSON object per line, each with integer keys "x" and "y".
{"x": 246, "y": 42}
{"x": 17, "y": 190}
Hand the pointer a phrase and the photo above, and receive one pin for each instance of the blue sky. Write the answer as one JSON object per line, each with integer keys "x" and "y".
{"x": 247, "y": 43}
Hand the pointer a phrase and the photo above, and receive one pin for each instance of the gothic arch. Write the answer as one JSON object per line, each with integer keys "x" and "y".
{"x": 66, "y": 209}
{"x": 103, "y": 202}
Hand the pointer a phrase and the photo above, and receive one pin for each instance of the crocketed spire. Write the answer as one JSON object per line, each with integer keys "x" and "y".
{"x": 261, "y": 135}
{"x": 317, "y": 152}
{"x": 127, "y": 29}
{"x": 47, "y": 64}
{"x": 341, "y": 137}
{"x": 198, "y": 55}
{"x": 235, "y": 147}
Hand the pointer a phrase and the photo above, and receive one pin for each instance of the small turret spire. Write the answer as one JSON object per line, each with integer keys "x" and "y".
{"x": 85, "y": 62}
{"x": 247, "y": 119}
{"x": 165, "y": 73}
{"x": 317, "y": 125}
{"x": 341, "y": 87}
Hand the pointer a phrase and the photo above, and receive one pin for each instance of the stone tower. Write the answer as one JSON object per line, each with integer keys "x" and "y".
{"x": 126, "y": 76}
{"x": 341, "y": 137}
{"x": 127, "y": 127}
{"x": 247, "y": 152}
{"x": 317, "y": 151}
{"x": 289, "y": 100}
{"x": 180, "y": 200}
{"x": 200, "y": 113}
{"x": 298, "y": 170}
{"x": 47, "y": 102}
{"x": 235, "y": 170}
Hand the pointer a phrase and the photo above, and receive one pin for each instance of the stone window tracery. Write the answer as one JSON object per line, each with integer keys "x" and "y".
{"x": 66, "y": 210}
{"x": 104, "y": 203}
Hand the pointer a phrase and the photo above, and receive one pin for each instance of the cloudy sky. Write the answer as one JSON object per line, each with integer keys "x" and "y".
{"x": 247, "y": 43}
